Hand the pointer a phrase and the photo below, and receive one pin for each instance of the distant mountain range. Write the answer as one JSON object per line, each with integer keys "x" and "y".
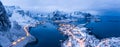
{"x": 13, "y": 18}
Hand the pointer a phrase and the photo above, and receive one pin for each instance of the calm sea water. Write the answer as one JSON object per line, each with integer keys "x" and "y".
{"x": 47, "y": 36}
{"x": 109, "y": 26}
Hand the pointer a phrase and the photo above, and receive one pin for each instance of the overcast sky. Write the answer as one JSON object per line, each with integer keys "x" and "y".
{"x": 76, "y": 4}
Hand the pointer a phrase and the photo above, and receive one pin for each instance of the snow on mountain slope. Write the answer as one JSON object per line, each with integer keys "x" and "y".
{"x": 22, "y": 20}
{"x": 78, "y": 36}
{"x": 10, "y": 30}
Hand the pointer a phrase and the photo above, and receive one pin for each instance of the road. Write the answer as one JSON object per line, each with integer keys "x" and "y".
{"x": 26, "y": 29}
{"x": 69, "y": 31}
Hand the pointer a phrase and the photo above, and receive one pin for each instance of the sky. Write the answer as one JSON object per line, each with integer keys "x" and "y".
{"x": 81, "y": 4}
{"x": 110, "y": 5}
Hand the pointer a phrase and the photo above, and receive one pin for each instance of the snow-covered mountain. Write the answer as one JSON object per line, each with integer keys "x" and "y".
{"x": 31, "y": 16}
{"x": 22, "y": 17}
{"x": 14, "y": 19}
{"x": 11, "y": 31}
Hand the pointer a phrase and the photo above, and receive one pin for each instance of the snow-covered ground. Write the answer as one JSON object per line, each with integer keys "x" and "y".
{"x": 79, "y": 37}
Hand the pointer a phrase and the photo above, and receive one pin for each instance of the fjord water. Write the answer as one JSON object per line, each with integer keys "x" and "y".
{"x": 109, "y": 26}
{"x": 47, "y": 35}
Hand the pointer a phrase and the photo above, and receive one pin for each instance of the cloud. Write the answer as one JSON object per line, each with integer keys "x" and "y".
{"x": 71, "y": 4}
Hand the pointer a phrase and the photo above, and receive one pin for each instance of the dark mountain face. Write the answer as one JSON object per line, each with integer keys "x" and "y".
{"x": 4, "y": 21}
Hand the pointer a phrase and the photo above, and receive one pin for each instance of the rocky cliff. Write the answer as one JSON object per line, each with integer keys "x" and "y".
{"x": 4, "y": 21}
